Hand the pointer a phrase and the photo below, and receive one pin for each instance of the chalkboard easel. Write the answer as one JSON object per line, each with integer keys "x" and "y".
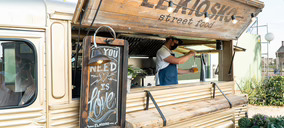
{"x": 103, "y": 88}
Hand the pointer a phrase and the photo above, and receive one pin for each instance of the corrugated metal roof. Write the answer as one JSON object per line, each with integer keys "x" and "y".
{"x": 143, "y": 46}
{"x": 147, "y": 46}
{"x": 280, "y": 50}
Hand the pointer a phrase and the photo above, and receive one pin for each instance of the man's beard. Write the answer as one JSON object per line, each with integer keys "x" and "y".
{"x": 174, "y": 47}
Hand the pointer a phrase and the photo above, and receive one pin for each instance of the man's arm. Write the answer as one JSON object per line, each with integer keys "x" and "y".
{"x": 185, "y": 71}
{"x": 181, "y": 60}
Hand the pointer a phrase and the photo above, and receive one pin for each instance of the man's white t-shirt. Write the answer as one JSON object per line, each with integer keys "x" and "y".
{"x": 162, "y": 53}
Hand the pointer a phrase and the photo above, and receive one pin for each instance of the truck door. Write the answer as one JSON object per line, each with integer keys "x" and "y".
{"x": 22, "y": 81}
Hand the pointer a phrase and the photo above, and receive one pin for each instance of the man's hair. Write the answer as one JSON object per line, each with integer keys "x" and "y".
{"x": 174, "y": 38}
{"x": 170, "y": 38}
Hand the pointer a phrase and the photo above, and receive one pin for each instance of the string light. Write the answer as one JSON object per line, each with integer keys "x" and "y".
{"x": 253, "y": 16}
{"x": 206, "y": 17}
{"x": 172, "y": 4}
{"x": 234, "y": 20}
{"x": 170, "y": 7}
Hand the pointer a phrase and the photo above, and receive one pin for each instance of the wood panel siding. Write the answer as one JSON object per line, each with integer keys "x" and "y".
{"x": 152, "y": 17}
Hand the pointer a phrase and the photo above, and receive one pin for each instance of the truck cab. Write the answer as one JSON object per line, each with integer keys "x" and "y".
{"x": 36, "y": 68}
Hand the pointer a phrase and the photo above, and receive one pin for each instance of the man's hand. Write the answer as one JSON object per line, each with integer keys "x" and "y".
{"x": 187, "y": 71}
{"x": 191, "y": 70}
{"x": 191, "y": 53}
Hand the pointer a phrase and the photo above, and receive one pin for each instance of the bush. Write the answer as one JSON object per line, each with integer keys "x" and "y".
{"x": 261, "y": 121}
{"x": 244, "y": 122}
{"x": 267, "y": 92}
{"x": 274, "y": 88}
{"x": 276, "y": 122}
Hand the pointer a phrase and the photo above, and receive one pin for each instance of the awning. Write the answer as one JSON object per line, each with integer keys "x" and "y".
{"x": 204, "y": 49}
{"x": 152, "y": 17}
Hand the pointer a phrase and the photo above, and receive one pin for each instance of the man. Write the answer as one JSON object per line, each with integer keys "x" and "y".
{"x": 166, "y": 63}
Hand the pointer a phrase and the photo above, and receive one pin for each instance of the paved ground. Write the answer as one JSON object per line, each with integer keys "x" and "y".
{"x": 266, "y": 110}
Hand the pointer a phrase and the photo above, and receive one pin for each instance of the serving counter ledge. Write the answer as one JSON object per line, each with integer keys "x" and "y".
{"x": 183, "y": 103}
{"x": 155, "y": 88}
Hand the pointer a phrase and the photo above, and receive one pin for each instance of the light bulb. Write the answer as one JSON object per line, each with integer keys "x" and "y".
{"x": 253, "y": 18}
{"x": 170, "y": 9}
{"x": 234, "y": 20}
{"x": 100, "y": 61}
{"x": 206, "y": 19}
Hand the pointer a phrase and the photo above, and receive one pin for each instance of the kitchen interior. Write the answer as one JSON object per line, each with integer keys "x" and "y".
{"x": 142, "y": 55}
{"x": 142, "y": 52}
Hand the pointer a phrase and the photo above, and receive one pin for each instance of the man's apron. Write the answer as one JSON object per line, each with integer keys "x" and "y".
{"x": 168, "y": 75}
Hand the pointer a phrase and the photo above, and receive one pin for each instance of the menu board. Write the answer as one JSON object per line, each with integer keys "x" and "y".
{"x": 103, "y": 88}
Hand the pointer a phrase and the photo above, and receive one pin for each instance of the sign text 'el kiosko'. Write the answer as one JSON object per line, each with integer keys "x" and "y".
{"x": 152, "y": 17}
{"x": 220, "y": 12}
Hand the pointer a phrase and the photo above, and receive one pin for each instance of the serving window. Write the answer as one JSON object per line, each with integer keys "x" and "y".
{"x": 18, "y": 81}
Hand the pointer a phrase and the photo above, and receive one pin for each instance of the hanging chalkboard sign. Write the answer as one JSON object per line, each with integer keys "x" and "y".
{"x": 103, "y": 87}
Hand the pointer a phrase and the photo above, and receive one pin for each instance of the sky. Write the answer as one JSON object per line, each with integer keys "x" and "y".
{"x": 273, "y": 17}
{"x": 73, "y": 1}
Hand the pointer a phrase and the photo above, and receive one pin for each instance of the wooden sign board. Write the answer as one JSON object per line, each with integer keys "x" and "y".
{"x": 103, "y": 88}
{"x": 152, "y": 17}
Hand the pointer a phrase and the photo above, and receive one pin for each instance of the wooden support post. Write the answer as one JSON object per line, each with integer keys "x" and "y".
{"x": 225, "y": 59}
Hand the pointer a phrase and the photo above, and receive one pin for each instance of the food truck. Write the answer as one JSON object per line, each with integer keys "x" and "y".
{"x": 46, "y": 81}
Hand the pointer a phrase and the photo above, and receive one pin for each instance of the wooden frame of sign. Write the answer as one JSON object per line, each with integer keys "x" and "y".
{"x": 152, "y": 17}
{"x": 103, "y": 88}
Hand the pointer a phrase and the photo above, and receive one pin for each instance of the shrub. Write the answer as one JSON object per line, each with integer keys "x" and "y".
{"x": 274, "y": 91}
{"x": 250, "y": 85}
{"x": 276, "y": 122}
{"x": 267, "y": 92}
{"x": 244, "y": 122}
{"x": 261, "y": 121}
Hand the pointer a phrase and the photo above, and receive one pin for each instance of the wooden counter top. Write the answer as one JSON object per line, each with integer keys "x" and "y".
{"x": 184, "y": 111}
{"x": 181, "y": 103}
{"x": 155, "y": 88}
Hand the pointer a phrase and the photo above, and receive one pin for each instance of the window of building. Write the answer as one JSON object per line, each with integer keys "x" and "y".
{"x": 18, "y": 81}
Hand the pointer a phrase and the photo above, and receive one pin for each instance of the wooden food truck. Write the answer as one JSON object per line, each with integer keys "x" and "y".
{"x": 46, "y": 81}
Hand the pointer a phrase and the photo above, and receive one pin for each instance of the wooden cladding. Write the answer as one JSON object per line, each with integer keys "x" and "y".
{"x": 184, "y": 111}
{"x": 151, "y": 16}
{"x": 187, "y": 105}
{"x": 176, "y": 94}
